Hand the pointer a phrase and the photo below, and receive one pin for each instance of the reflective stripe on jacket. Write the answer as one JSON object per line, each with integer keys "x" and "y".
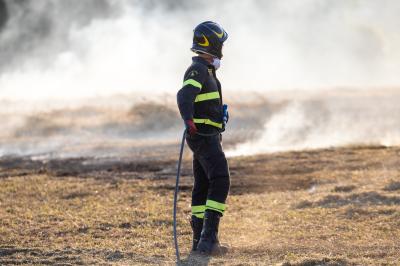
{"x": 200, "y": 97}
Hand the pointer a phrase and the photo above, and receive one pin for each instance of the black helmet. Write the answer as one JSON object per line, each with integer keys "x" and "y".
{"x": 208, "y": 38}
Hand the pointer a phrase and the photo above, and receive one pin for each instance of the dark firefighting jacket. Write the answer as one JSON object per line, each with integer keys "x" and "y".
{"x": 200, "y": 98}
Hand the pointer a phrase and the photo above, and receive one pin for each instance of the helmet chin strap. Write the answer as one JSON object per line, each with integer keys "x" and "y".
{"x": 216, "y": 61}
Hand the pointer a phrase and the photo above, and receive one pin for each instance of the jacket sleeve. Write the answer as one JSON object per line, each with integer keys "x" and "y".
{"x": 192, "y": 84}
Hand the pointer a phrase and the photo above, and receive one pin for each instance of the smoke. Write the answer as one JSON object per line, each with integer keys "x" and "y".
{"x": 3, "y": 15}
{"x": 334, "y": 119}
{"x": 36, "y": 31}
{"x": 58, "y": 56}
{"x": 89, "y": 129}
{"x": 85, "y": 48}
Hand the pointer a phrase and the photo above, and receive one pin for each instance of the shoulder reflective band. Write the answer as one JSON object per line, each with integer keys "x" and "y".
{"x": 207, "y": 122}
{"x": 198, "y": 211}
{"x": 215, "y": 206}
{"x": 192, "y": 82}
{"x": 207, "y": 96}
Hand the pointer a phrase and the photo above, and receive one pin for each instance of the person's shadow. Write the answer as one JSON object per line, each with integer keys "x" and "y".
{"x": 195, "y": 259}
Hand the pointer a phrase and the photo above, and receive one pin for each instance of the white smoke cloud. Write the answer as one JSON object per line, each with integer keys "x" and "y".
{"x": 328, "y": 121}
{"x": 273, "y": 45}
{"x": 59, "y": 55}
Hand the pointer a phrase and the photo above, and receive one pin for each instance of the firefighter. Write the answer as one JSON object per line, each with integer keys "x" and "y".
{"x": 201, "y": 107}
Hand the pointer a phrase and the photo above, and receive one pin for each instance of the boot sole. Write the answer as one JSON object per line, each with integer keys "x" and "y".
{"x": 220, "y": 251}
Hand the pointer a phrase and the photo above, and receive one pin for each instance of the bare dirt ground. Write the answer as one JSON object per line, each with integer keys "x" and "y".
{"x": 321, "y": 207}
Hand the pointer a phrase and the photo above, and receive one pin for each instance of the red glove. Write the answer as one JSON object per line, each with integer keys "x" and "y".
{"x": 190, "y": 127}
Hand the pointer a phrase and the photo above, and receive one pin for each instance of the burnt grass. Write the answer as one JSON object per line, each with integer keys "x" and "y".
{"x": 319, "y": 207}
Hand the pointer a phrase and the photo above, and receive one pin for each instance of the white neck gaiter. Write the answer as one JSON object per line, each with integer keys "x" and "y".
{"x": 216, "y": 63}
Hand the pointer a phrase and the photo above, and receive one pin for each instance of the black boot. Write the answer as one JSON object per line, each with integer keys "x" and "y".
{"x": 209, "y": 243}
{"x": 197, "y": 226}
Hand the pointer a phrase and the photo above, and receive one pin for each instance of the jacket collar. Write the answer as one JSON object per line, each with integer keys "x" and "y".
{"x": 201, "y": 60}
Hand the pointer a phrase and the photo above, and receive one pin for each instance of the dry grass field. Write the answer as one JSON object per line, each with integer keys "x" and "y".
{"x": 321, "y": 207}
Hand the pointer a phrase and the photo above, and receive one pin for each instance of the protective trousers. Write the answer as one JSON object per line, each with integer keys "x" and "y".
{"x": 211, "y": 174}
